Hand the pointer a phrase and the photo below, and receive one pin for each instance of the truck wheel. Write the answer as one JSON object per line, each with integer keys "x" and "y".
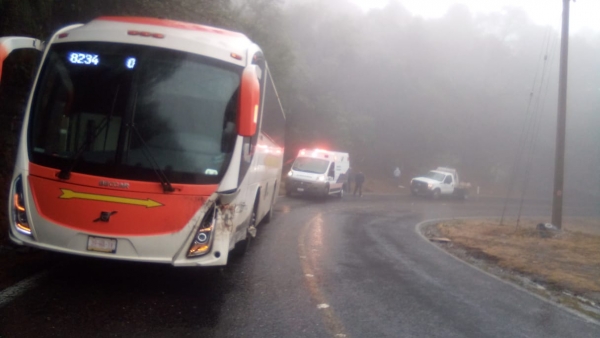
{"x": 436, "y": 194}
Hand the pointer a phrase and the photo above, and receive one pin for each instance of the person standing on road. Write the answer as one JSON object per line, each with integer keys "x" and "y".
{"x": 397, "y": 175}
{"x": 359, "y": 179}
{"x": 349, "y": 180}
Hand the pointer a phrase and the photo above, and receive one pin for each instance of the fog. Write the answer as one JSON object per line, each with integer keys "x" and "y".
{"x": 477, "y": 92}
{"x": 473, "y": 91}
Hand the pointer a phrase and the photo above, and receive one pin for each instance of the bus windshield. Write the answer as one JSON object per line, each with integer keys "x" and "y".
{"x": 311, "y": 165}
{"x": 112, "y": 104}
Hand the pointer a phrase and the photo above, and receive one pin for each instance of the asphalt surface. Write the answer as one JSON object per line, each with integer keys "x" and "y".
{"x": 321, "y": 268}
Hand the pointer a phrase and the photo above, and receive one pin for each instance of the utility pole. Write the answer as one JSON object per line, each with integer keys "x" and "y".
{"x": 559, "y": 164}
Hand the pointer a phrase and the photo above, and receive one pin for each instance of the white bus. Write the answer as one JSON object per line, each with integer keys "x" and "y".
{"x": 146, "y": 140}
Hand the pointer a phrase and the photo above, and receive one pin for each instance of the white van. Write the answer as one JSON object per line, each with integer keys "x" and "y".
{"x": 318, "y": 172}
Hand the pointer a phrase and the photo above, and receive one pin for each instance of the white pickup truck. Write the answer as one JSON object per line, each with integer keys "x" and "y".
{"x": 440, "y": 182}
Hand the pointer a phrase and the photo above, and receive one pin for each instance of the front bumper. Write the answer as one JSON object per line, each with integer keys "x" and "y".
{"x": 131, "y": 249}
{"x": 421, "y": 189}
{"x": 306, "y": 187}
{"x": 169, "y": 248}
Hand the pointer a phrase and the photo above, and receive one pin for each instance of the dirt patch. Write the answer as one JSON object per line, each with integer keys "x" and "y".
{"x": 564, "y": 266}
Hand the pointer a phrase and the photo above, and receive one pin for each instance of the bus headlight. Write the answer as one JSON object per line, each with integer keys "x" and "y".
{"x": 19, "y": 212}
{"x": 202, "y": 242}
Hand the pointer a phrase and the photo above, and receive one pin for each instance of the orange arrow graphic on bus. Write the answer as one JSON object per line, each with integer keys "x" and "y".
{"x": 148, "y": 203}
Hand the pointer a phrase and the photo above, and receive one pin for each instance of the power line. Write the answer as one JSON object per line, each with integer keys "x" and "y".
{"x": 536, "y": 127}
{"x": 526, "y": 124}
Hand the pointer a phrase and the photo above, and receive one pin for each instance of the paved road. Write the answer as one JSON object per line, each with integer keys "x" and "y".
{"x": 350, "y": 268}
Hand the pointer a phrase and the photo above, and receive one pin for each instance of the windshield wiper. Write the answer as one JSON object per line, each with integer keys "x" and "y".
{"x": 65, "y": 172}
{"x": 162, "y": 177}
{"x": 164, "y": 181}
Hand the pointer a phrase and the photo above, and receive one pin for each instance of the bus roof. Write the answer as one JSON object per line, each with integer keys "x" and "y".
{"x": 211, "y": 41}
{"x": 172, "y": 24}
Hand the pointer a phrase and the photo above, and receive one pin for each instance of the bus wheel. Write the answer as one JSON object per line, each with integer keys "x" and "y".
{"x": 269, "y": 215}
{"x": 242, "y": 246}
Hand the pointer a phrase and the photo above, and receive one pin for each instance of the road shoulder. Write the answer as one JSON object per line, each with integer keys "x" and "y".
{"x": 554, "y": 294}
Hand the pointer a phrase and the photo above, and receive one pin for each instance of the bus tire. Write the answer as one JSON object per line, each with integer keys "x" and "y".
{"x": 242, "y": 247}
{"x": 269, "y": 215}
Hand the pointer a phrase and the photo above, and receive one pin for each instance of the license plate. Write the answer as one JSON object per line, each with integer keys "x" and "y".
{"x": 300, "y": 189}
{"x": 102, "y": 244}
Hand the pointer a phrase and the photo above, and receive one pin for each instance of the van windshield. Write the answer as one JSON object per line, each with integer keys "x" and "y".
{"x": 310, "y": 165}
{"x": 115, "y": 102}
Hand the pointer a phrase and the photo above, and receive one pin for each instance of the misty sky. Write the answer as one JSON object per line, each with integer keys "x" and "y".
{"x": 466, "y": 90}
{"x": 584, "y": 13}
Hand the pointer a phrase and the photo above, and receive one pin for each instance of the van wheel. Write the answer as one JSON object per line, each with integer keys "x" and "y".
{"x": 436, "y": 194}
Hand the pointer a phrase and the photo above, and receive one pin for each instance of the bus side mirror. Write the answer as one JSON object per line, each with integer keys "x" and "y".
{"x": 249, "y": 102}
{"x": 8, "y": 44}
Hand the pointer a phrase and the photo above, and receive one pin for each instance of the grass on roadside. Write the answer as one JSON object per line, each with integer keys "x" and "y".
{"x": 569, "y": 260}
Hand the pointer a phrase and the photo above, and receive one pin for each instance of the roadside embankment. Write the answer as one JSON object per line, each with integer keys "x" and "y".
{"x": 563, "y": 265}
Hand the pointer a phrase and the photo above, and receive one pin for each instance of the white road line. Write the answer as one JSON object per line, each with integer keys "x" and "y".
{"x": 7, "y": 295}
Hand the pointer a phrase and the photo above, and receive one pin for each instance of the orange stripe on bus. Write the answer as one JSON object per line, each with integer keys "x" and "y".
{"x": 3, "y": 56}
{"x": 134, "y": 186}
{"x": 79, "y": 207}
{"x": 170, "y": 24}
